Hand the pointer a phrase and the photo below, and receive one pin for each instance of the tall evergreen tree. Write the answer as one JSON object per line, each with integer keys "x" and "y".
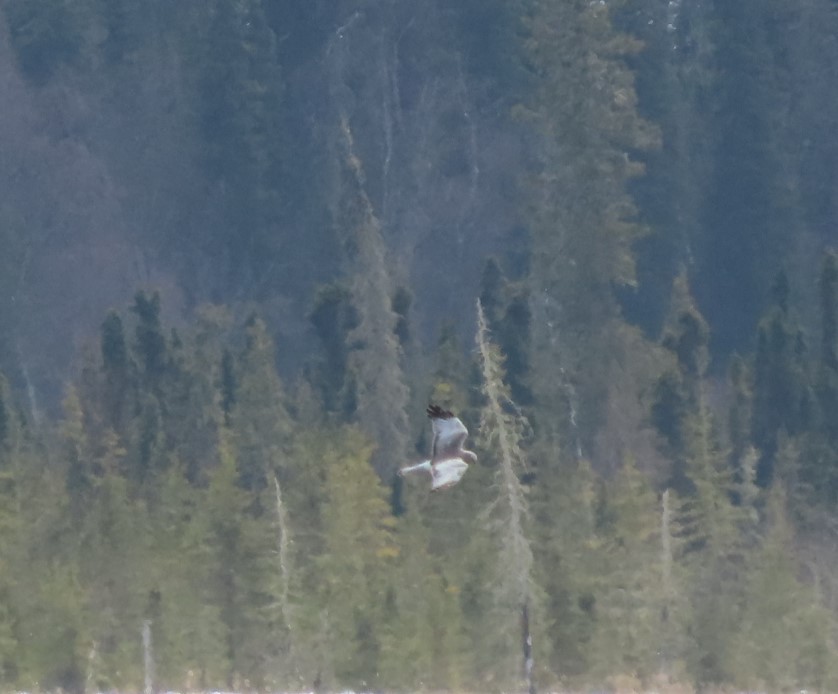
{"x": 630, "y": 609}
{"x": 261, "y": 424}
{"x": 750, "y": 213}
{"x": 376, "y": 361}
{"x": 782, "y": 400}
{"x": 815, "y": 426}
{"x": 739, "y": 414}
{"x": 584, "y": 221}
{"x": 79, "y": 469}
{"x": 116, "y": 366}
{"x": 357, "y": 529}
{"x": 149, "y": 341}
{"x": 11, "y": 496}
{"x": 827, "y": 388}
{"x": 333, "y": 317}
{"x": 715, "y": 541}
{"x": 679, "y": 390}
{"x": 188, "y": 634}
{"x": 240, "y": 545}
{"x": 240, "y": 120}
{"x": 420, "y": 627}
{"x": 793, "y": 644}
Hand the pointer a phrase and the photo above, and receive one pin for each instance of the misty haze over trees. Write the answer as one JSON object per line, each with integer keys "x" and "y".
{"x": 243, "y": 245}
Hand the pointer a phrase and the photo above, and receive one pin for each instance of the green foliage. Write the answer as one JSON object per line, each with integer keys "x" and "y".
{"x": 782, "y": 400}
{"x": 149, "y": 341}
{"x": 260, "y": 542}
{"x": 365, "y": 154}
{"x": 6, "y": 413}
{"x": 116, "y": 368}
{"x": 416, "y": 619}
{"x": 794, "y": 644}
{"x": 240, "y": 113}
{"x": 259, "y": 419}
{"x": 821, "y": 439}
{"x": 55, "y": 647}
{"x": 79, "y": 478}
{"x": 502, "y": 435}
{"x": 449, "y": 385}
{"x": 564, "y": 505}
{"x": 187, "y": 630}
{"x": 508, "y": 315}
{"x": 402, "y": 300}
{"x": 582, "y": 218}
{"x": 357, "y": 528}
{"x": 239, "y": 544}
{"x": 739, "y": 414}
{"x": 114, "y": 575}
{"x": 679, "y": 389}
{"x": 333, "y": 317}
{"x": 629, "y": 615}
{"x": 376, "y": 357}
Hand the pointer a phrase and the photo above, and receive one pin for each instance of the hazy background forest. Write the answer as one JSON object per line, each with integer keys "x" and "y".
{"x": 243, "y": 243}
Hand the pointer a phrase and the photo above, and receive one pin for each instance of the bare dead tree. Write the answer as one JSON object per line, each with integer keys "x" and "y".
{"x": 502, "y": 429}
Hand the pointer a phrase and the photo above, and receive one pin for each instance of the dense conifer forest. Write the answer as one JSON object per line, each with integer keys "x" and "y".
{"x": 246, "y": 242}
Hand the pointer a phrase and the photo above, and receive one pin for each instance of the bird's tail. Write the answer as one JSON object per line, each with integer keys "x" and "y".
{"x": 424, "y": 466}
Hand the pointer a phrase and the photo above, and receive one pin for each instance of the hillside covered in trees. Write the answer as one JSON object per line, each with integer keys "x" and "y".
{"x": 246, "y": 242}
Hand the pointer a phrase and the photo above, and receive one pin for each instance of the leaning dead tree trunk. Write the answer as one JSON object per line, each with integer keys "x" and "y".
{"x": 666, "y": 578}
{"x": 502, "y": 428}
{"x": 282, "y": 546}
{"x": 526, "y": 638}
{"x": 285, "y": 566}
{"x": 148, "y": 658}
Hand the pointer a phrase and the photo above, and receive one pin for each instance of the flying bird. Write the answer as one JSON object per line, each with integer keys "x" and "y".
{"x": 449, "y": 460}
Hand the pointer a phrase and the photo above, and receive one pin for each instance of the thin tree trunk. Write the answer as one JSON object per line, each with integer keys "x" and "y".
{"x": 526, "y": 637}
{"x": 282, "y": 549}
{"x": 666, "y": 577}
{"x": 148, "y": 658}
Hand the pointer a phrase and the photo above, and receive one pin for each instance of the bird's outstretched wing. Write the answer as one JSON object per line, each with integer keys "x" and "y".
{"x": 449, "y": 434}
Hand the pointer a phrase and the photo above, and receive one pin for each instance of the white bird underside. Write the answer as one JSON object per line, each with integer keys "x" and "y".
{"x": 448, "y": 457}
{"x": 444, "y": 474}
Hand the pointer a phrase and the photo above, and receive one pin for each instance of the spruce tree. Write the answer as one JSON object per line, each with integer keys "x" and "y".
{"x": 333, "y": 317}
{"x": 821, "y": 441}
{"x": 715, "y": 541}
{"x": 376, "y": 360}
{"x": 781, "y": 400}
{"x": 188, "y": 632}
{"x": 239, "y": 544}
{"x": 114, "y": 571}
{"x": 10, "y": 538}
{"x": 583, "y": 219}
{"x": 783, "y": 640}
{"x": 260, "y": 422}
{"x": 240, "y": 113}
{"x": 149, "y": 341}
{"x": 420, "y": 618}
{"x": 679, "y": 389}
{"x": 739, "y": 414}
{"x": 116, "y": 369}
{"x": 564, "y": 504}
{"x": 630, "y": 605}
{"x": 79, "y": 463}
{"x": 358, "y": 549}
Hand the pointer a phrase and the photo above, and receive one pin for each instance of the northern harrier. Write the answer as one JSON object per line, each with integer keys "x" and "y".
{"x": 449, "y": 460}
